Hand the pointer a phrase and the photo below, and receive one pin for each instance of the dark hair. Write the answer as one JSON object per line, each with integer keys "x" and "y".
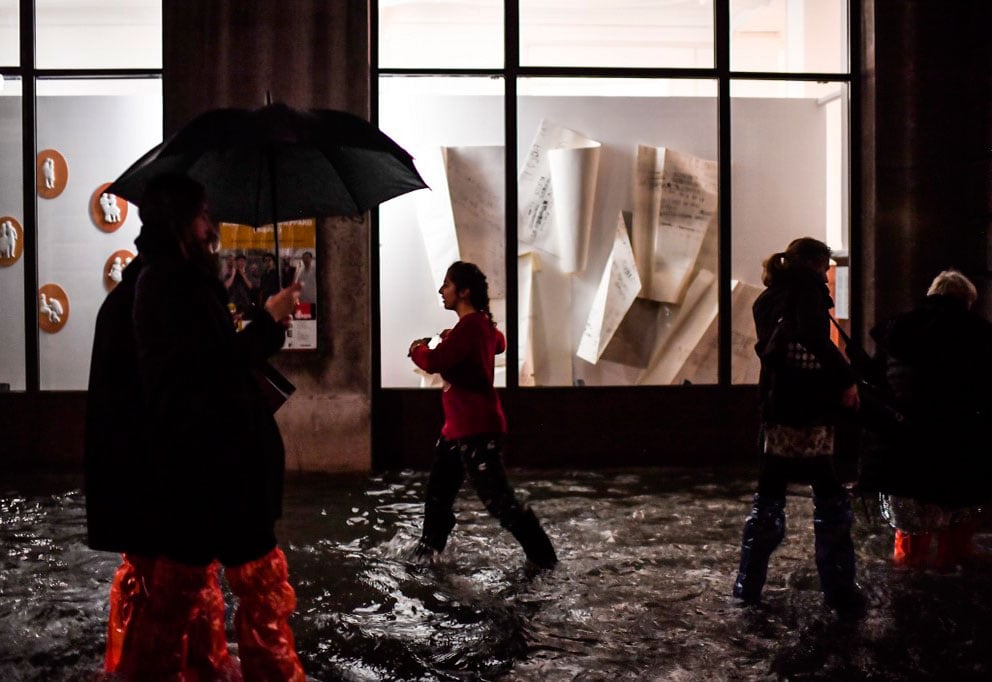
{"x": 169, "y": 205}
{"x": 804, "y": 252}
{"x": 468, "y": 276}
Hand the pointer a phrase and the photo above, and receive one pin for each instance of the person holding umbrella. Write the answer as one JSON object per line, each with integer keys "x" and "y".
{"x": 472, "y": 437}
{"x": 215, "y": 452}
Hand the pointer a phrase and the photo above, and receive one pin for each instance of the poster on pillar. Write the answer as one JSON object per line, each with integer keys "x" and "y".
{"x": 251, "y": 272}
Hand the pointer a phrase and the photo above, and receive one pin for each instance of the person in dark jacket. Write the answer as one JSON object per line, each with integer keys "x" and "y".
{"x": 804, "y": 382}
{"x": 934, "y": 478}
{"x": 215, "y": 455}
{"x": 117, "y": 480}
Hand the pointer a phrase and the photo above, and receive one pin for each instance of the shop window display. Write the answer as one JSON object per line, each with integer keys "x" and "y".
{"x": 12, "y": 238}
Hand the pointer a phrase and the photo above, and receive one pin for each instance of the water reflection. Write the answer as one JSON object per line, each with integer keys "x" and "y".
{"x": 641, "y": 593}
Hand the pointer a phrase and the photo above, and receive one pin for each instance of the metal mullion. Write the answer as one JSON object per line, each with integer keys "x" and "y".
{"x": 70, "y": 74}
{"x": 29, "y": 217}
{"x": 855, "y": 196}
{"x": 721, "y": 41}
{"x": 511, "y": 70}
{"x": 375, "y": 309}
{"x": 786, "y": 76}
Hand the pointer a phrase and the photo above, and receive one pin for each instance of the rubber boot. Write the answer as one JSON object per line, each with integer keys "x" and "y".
{"x": 207, "y": 657}
{"x": 535, "y": 542}
{"x": 438, "y": 522}
{"x": 265, "y": 602}
{"x": 764, "y": 529}
{"x": 834, "y": 551}
{"x": 128, "y": 595}
{"x": 911, "y": 551}
{"x": 155, "y": 645}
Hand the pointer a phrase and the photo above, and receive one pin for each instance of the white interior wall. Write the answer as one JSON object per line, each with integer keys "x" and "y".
{"x": 12, "y": 370}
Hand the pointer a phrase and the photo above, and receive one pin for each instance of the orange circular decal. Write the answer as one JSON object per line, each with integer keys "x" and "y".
{"x": 113, "y": 270}
{"x": 108, "y": 211}
{"x": 11, "y": 240}
{"x": 53, "y": 173}
{"x": 53, "y": 308}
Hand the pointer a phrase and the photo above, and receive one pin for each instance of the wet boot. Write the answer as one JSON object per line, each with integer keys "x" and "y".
{"x": 764, "y": 529}
{"x": 438, "y": 522}
{"x": 265, "y": 602}
{"x": 911, "y": 551}
{"x": 128, "y": 595}
{"x": 155, "y": 644}
{"x": 207, "y": 657}
{"x": 834, "y": 551}
{"x": 535, "y": 542}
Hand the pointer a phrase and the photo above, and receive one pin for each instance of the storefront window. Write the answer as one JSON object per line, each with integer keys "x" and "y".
{"x": 12, "y": 357}
{"x": 97, "y": 34}
{"x": 10, "y": 38}
{"x": 454, "y": 129}
{"x": 89, "y": 131}
{"x": 617, "y": 230}
{"x": 424, "y": 34}
{"x": 622, "y": 147}
{"x": 790, "y": 165}
{"x": 618, "y": 33}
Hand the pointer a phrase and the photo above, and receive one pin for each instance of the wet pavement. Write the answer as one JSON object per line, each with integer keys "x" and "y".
{"x": 642, "y": 592}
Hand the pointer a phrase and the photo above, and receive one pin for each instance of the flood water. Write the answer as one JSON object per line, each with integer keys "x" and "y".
{"x": 642, "y": 591}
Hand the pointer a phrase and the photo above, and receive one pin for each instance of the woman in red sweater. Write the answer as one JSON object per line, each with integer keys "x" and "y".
{"x": 471, "y": 440}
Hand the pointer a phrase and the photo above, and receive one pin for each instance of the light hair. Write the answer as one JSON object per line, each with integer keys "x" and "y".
{"x": 954, "y": 284}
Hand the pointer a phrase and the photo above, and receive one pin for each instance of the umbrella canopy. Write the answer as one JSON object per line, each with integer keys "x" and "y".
{"x": 276, "y": 163}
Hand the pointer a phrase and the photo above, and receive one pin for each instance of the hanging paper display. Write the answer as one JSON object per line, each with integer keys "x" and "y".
{"x": 53, "y": 308}
{"x": 53, "y": 173}
{"x": 107, "y": 210}
{"x": 113, "y": 269}
{"x": 11, "y": 240}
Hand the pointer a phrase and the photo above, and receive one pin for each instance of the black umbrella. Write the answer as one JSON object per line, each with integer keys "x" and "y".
{"x": 268, "y": 165}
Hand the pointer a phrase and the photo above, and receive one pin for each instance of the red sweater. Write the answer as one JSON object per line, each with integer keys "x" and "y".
{"x": 465, "y": 359}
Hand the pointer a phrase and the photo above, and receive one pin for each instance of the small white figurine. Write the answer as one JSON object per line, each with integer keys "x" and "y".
{"x": 8, "y": 240}
{"x": 51, "y": 308}
{"x": 48, "y": 170}
{"x": 111, "y": 211}
{"x": 116, "y": 270}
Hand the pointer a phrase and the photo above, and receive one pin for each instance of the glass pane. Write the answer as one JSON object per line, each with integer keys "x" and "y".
{"x": 98, "y": 34}
{"x": 10, "y": 33}
{"x": 454, "y": 129}
{"x": 617, "y": 231}
{"x": 789, "y": 35}
{"x": 89, "y": 131}
{"x": 449, "y": 34}
{"x": 790, "y": 179}
{"x": 12, "y": 370}
{"x": 617, "y": 33}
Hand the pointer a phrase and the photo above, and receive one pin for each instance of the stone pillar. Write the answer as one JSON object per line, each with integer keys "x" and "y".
{"x": 927, "y": 149}
{"x": 307, "y": 54}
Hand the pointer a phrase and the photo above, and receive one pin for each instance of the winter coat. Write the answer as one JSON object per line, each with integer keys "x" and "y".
{"x": 118, "y": 480}
{"x": 216, "y": 452}
{"x": 800, "y": 298}
{"x": 938, "y": 360}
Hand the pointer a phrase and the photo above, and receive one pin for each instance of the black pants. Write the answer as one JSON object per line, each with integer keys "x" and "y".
{"x": 480, "y": 457}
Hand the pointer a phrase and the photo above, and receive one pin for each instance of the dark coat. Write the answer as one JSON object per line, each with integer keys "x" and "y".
{"x": 216, "y": 452}
{"x": 118, "y": 481}
{"x": 800, "y": 298}
{"x": 938, "y": 360}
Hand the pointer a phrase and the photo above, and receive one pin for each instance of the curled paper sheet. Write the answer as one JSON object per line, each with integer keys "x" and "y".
{"x": 464, "y": 216}
{"x": 557, "y": 188}
{"x": 527, "y": 265}
{"x": 616, "y": 293}
{"x": 675, "y": 203}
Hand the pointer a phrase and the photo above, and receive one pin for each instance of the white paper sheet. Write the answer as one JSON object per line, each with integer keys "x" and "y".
{"x": 697, "y": 311}
{"x": 527, "y": 265}
{"x": 559, "y": 179}
{"x": 675, "y": 202}
{"x": 463, "y": 217}
{"x": 616, "y": 293}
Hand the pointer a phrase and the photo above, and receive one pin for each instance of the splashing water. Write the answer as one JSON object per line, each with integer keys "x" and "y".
{"x": 642, "y": 591}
